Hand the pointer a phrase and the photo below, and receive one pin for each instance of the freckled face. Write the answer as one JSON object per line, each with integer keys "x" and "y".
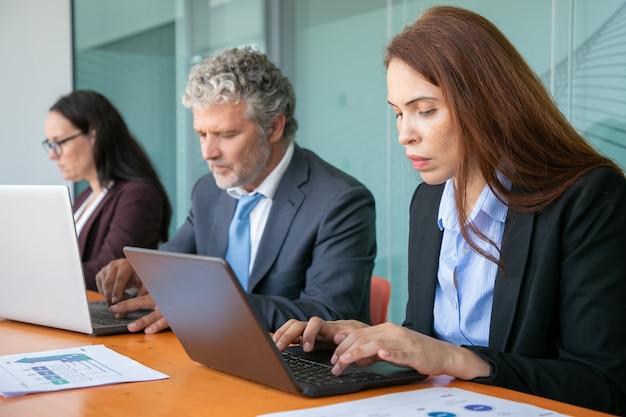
{"x": 424, "y": 124}
{"x": 231, "y": 145}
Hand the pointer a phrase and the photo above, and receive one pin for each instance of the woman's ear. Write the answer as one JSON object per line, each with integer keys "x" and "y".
{"x": 92, "y": 136}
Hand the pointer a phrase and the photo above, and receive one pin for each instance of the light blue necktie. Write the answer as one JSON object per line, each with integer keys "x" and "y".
{"x": 238, "y": 252}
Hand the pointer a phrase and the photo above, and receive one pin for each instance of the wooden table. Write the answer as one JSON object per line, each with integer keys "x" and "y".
{"x": 192, "y": 389}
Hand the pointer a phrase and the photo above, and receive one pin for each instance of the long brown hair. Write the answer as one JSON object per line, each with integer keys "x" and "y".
{"x": 507, "y": 120}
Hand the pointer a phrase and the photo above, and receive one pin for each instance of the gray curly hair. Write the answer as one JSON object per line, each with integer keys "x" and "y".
{"x": 242, "y": 74}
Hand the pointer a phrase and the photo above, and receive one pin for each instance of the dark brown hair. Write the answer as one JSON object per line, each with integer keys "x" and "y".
{"x": 118, "y": 155}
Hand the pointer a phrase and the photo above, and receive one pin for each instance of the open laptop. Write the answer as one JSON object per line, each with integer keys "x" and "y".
{"x": 41, "y": 275}
{"x": 209, "y": 312}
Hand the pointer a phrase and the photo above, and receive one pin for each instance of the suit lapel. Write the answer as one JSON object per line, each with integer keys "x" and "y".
{"x": 424, "y": 248}
{"x": 285, "y": 206}
{"x": 217, "y": 241}
{"x": 515, "y": 246}
{"x": 428, "y": 259}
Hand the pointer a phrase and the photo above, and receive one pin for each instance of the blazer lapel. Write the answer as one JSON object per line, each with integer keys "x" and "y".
{"x": 515, "y": 246}
{"x": 214, "y": 239}
{"x": 287, "y": 201}
{"x": 424, "y": 248}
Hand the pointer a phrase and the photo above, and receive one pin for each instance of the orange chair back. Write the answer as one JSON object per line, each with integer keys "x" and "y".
{"x": 379, "y": 299}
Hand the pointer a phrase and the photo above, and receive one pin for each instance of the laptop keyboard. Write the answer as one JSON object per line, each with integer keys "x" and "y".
{"x": 105, "y": 318}
{"x": 101, "y": 316}
{"x": 319, "y": 374}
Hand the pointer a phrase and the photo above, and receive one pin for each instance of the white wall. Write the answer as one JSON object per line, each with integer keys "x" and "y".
{"x": 35, "y": 70}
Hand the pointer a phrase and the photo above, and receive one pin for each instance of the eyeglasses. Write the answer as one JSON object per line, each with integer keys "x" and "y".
{"x": 55, "y": 146}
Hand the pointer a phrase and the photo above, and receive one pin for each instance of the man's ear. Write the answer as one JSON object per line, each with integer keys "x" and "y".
{"x": 278, "y": 127}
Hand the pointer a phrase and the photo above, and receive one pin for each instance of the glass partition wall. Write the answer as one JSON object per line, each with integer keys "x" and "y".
{"x": 139, "y": 53}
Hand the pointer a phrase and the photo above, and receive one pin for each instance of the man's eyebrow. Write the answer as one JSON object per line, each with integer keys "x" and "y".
{"x": 216, "y": 131}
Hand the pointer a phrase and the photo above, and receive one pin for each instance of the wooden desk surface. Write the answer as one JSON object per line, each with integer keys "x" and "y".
{"x": 192, "y": 389}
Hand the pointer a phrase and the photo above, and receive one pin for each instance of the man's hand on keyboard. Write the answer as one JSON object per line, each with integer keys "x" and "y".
{"x": 151, "y": 323}
{"x": 115, "y": 279}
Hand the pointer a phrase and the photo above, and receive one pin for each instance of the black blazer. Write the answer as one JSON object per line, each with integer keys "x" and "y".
{"x": 558, "y": 323}
{"x": 317, "y": 251}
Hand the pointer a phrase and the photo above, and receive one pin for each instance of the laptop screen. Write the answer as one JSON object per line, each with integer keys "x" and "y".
{"x": 42, "y": 279}
{"x": 210, "y": 314}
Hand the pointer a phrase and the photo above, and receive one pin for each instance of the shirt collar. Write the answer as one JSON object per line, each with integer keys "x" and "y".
{"x": 270, "y": 184}
{"x": 446, "y": 219}
{"x": 487, "y": 202}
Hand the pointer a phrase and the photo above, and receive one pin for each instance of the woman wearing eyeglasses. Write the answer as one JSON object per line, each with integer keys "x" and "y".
{"x": 125, "y": 203}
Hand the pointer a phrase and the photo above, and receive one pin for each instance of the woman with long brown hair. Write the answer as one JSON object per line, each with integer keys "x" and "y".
{"x": 517, "y": 273}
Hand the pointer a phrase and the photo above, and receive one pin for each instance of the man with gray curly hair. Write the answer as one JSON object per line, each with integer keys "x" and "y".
{"x": 312, "y": 239}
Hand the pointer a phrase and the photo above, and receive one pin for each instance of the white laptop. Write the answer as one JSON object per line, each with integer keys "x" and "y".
{"x": 41, "y": 275}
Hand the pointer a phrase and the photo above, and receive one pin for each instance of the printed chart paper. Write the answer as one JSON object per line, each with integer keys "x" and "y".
{"x": 62, "y": 369}
{"x": 426, "y": 402}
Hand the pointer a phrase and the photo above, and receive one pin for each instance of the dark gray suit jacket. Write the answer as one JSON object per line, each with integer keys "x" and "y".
{"x": 317, "y": 251}
{"x": 558, "y": 324}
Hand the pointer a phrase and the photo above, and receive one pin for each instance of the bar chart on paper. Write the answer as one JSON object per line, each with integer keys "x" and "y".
{"x": 69, "y": 368}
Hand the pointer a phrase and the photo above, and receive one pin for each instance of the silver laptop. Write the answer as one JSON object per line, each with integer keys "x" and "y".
{"x": 41, "y": 275}
{"x": 209, "y": 312}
